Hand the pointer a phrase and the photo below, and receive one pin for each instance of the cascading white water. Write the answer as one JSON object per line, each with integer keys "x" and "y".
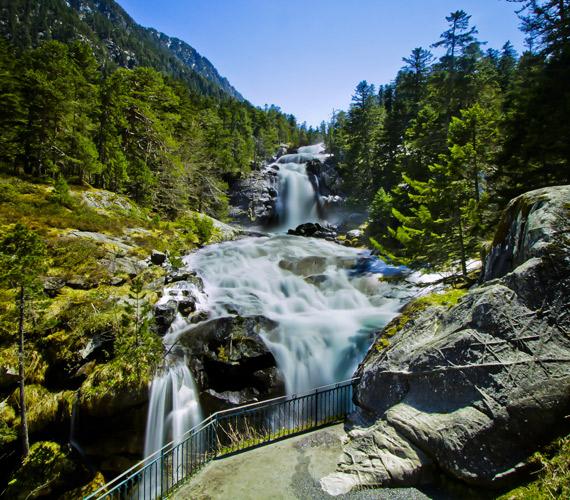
{"x": 298, "y": 200}
{"x": 173, "y": 406}
{"x": 326, "y": 314}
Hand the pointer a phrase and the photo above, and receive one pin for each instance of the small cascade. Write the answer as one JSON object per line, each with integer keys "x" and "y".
{"x": 299, "y": 199}
{"x": 173, "y": 407}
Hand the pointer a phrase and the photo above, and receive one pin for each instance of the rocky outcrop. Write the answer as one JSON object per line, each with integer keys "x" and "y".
{"x": 476, "y": 389}
{"x": 254, "y": 198}
{"x": 230, "y": 362}
{"x": 183, "y": 296}
{"x": 324, "y": 176}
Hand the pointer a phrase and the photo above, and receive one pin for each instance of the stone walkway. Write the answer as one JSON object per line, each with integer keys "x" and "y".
{"x": 289, "y": 469}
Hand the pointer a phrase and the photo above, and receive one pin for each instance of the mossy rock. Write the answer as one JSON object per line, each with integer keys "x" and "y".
{"x": 46, "y": 410}
{"x": 8, "y": 432}
{"x": 97, "y": 482}
{"x": 47, "y": 471}
{"x": 112, "y": 388}
{"x": 35, "y": 366}
{"x": 552, "y": 479}
{"x": 413, "y": 310}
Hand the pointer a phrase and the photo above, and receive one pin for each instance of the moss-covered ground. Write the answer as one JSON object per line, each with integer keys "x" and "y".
{"x": 80, "y": 340}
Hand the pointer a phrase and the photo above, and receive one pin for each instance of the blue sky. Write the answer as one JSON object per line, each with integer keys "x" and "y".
{"x": 307, "y": 56}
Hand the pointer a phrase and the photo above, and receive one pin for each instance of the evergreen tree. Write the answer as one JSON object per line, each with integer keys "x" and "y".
{"x": 547, "y": 24}
{"x": 457, "y": 38}
{"x": 22, "y": 260}
{"x": 12, "y": 108}
{"x": 362, "y": 121}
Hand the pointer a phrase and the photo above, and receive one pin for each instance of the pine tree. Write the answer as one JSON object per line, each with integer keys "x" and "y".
{"x": 22, "y": 260}
{"x": 547, "y": 25}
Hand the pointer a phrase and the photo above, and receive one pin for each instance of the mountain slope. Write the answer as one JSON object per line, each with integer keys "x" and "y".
{"x": 115, "y": 36}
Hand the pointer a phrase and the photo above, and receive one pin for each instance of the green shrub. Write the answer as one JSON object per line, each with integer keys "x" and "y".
{"x": 61, "y": 194}
{"x": 45, "y": 472}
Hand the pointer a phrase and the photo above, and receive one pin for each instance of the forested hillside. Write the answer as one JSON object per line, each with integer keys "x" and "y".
{"x": 114, "y": 37}
{"x": 132, "y": 131}
{"x": 436, "y": 154}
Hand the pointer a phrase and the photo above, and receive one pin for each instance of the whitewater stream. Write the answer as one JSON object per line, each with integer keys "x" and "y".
{"x": 325, "y": 302}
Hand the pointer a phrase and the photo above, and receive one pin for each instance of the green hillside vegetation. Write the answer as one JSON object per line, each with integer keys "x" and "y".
{"x": 93, "y": 243}
{"x": 131, "y": 132}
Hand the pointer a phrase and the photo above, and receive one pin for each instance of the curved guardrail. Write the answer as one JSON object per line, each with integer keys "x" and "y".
{"x": 226, "y": 432}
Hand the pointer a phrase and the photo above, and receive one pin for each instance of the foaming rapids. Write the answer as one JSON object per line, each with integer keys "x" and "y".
{"x": 326, "y": 317}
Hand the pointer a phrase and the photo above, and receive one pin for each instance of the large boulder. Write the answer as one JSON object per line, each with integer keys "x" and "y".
{"x": 230, "y": 362}
{"x": 474, "y": 390}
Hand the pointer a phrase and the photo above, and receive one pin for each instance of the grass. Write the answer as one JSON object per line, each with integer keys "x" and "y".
{"x": 552, "y": 479}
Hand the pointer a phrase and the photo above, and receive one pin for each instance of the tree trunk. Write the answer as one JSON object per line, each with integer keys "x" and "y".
{"x": 462, "y": 246}
{"x": 475, "y": 166}
{"x": 23, "y": 414}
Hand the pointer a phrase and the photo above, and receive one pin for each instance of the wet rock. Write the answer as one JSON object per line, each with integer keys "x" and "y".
{"x": 157, "y": 258}
{"x": 314, "y": 230}
{"x": 228, "y": 354}
{"x": 216, "y": 401}
{"x": 187, "y": 306}
{"x": 477, "y": 388}
{"x": 283, "y": 150}
{"x": 354, "y": 234}
{"x": 164, "y": 315}
{"x": 184, "y": 276}
{"x": 317, "y": 279}
{"x": 305, "y": 266}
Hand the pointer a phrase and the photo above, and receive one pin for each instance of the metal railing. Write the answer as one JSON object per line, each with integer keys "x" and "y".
{"x": 226, "y": 432}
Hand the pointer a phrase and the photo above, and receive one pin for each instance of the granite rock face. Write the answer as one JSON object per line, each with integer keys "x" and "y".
{"x": 254, "y": 198}
{"x": 475, "y": 389}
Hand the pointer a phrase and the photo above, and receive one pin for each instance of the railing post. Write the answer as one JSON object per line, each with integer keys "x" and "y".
{"x": 316, "y": 407}
{"x": 161, "y": 472}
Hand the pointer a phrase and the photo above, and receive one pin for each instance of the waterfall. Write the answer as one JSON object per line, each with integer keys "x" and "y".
{"x": 326, "y": 313}
{"x": 173, "y": 407}
{"x": 298, "y": 199}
